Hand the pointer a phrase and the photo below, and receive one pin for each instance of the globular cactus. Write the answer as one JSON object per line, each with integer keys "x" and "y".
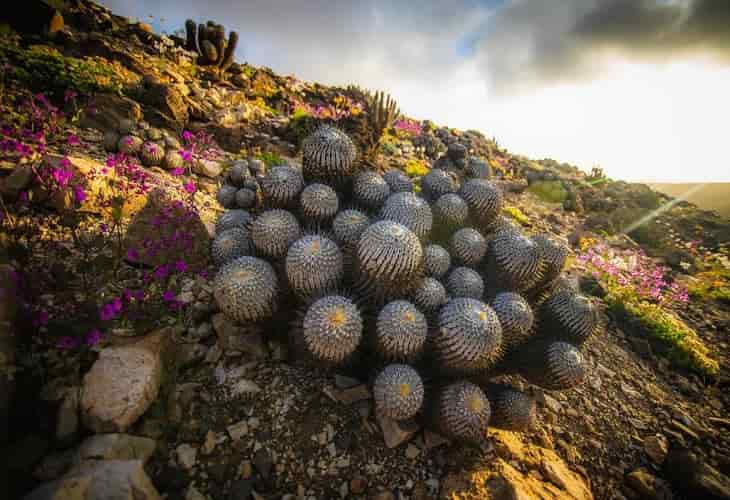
{"x": 314, "y": 266}
{"x": 129, "y": 145}
{"x": 245, "y": 198}
{"x": 512, "y": 410}
{"x": 239, "y": 173}
{"x": 554, "y": 254}
{"x": 233, "y": 218}
{"x": 552, "y": 365}
{"x": 516, "y": 317}
{"x": 273, "y": 231}
{"x": 485, "y": 200}
{"x": 437, "y": 183}
{"x": 464, "y": 282}
{"x": 281, "y": 186}
{"x": 398, "y": 392}
{"x": 227, "y": 196}
{"x": 468, "y": 337}
{"x": 152, "y": 154}
{"x": 370, "y": 190}
{"x": 477, "y": 169}
{"x": 514, "y": 261}
{"x": 569, "y": 316}
{"x": 349, "y": 225}
{"x": 429, "y": 296}
{"x": 332, "y": 329}
{"x": 247, "y": 289}
{"x": 328, "y": 156}
{"x": 318, "y": 203}
{"x": 411, "y": 211}
{"x": 400, "y": 332}
{"x": 231, "y": 244}
{"x": 436, "y": 261}
{"x": 173, "y": 159}
{"x": 450, "y": 211}
{"x": 461, "y": 412}
{"x": 398, "y": 181}
{"x": 389, "y": 254}
{"x": 456, "y": 151}
{"x": 468, "y": 247}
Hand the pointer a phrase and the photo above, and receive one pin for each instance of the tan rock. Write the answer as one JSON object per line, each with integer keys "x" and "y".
{"x": 115, "y": 447}
{"x": 657, "y": 448}
{"x": 122, "y": 384}
{"x": 648, "y": 486}
{"x": 109, "y": 110}
{"x": 396, "y": 433}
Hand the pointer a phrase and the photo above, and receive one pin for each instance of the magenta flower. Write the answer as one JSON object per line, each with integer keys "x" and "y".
{"x": 41, "y": 319}
{"x": 180, "y": 266}
{"x": 93, "y": 337}
{"x": 161, "y": 273}
{"x": 190, "y": 187}
{"x": 79, "y": 194}
{"x": 132, "y": 255}
{"x": 73, "y": 140}
{"x": 177, "y": 171}
{"x": 61, "y": 176}
{"x": 169, "y": 296}
{"x": 67, "y": 343}
{"x": 186, "y": 155}
{"x": 187, "y": 135}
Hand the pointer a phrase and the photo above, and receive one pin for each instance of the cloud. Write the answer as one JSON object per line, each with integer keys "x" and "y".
{"x": 533, "y": 42}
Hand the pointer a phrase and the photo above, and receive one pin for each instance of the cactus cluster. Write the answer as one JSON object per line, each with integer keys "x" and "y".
{"x": 209, "y": 42}
{"x": 429, "y": 296}
{"x": 154, "y": 147}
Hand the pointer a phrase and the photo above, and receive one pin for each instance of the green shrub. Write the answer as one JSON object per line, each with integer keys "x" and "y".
{"x": 269, "y": 159}
{"x": 549, "y": 191}
{"x": 516, "y": 214}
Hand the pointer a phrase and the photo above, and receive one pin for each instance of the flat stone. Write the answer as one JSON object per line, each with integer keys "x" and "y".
{"x": 395, "y": 432}
{"x": 657, "y": 448}
{"x": 208, "y": 168}
{"x": 412, "y": 452}
{"x": 238, "y": 430}
{"x": 115, "y": 447}
{"x": 245, "y": 387}
{"x": 353, "y": 394}
{"x": 122, "y": 384}
{"x": 186, "y": 455}
{"x": 235, "y": 340}
{"x": 100, "y": 480}
{"x": 209, "y": 444}
{"x": 432, "y": 440}
{"x": 648, "y": 486}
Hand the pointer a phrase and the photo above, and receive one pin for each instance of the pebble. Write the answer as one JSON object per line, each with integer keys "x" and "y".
{"x": 209, "y": 444}
{"x": 238, "y": 430}
{"x": 186, "y": 455}
{"x": 657, "y": 448}
{"x": 358, "y": 485}
{"x": 412, "y": 452}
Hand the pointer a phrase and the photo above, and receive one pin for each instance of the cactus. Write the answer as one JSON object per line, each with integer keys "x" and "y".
{"x": 554, "y": 254}
{"x": 437, "y": 183}
{"x": 429, "y": 296}
{"x": 227, "y": 196}
{"x": 246, "y": 289}
{"x": 273, "y": 231}
{"x": 328, "y": 156}
{"x": 231, "y": 244}
{"x": 516, "y": 317}
{"x": 332, "y": 329}
{"x": 468, "y": 336}
{"x": 411, "y": 211}
{"x": 468, "y": 247}
{"x": 389, "y": 254}
{"x": 173, "y": 160}
{"x": 370, "y": 190}
{"x": 349, "y": 225}
{"x": 209, "y": 41}
{"x": 400, "y": 332}
{"x": 485, "y": 200}
{"x": 318, "y": 203}
{"x": 233, "y": 218}
{"x": 129, "y": 145}
{"x": 514, "y": 261}
{"x": 382, "y": 112}
{"x": 281, "y": 186}
{"x": 464, "y": 282}
{"x": 477, "y": 169}
{"x": 398, "y": 181}
{"x": 245, "y": 198}
{"x": 569, "y": 316}
{"x": 398, "y": 392}
{"x": 461, "y": 412}
{"x": 314, "y": 266}
{"x": 552, "y": 365}
{"x": 450, "y": 211}
{"x": 436, "y": 261}
{"x": 512, "y": 410}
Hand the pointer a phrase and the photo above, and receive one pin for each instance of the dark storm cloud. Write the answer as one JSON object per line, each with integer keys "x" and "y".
{"x": 532, "y": 42}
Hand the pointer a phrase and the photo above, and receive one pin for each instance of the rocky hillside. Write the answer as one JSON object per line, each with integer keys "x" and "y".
{"x": 121, "y": 375}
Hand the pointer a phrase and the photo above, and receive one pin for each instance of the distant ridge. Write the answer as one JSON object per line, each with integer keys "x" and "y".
{"x": 711, "y": 196}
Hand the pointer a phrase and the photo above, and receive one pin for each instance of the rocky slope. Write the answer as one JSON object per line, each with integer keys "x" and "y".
{"x": 182, "y": 404}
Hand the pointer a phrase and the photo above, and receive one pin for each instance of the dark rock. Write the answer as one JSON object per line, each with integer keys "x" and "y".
{"x": 26, "y": 452}
{"x": 263, "y": 462}
{"x": 648, "y": 486}
{"x": 241, "y": 489}
{"x": 110, "y": 112}
{"x": 167, "y": 107}
{"x": 18, "y": 180}
{"x": 696, "y": 478}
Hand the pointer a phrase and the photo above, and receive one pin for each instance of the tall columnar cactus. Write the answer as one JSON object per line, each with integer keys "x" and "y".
{"x": 398, "y": 392}
{"x": 382, "y": 112}
{"x": 209, "y": 41}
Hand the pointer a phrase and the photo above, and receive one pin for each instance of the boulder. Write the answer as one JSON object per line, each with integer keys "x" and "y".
{"x": 122, "y": 384}
{"x": 18, "y": 180}
{"x": 100, "y": 480}
{"x": 166, "y": 231}
{"x": 107, "y": 111}
{"x": 696, "y": 478}
{"x": 166, "y": 106}
{"x": 647, "y": 485}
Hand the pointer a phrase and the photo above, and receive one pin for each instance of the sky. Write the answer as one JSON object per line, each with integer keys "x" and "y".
{"x": 638, "y": 87}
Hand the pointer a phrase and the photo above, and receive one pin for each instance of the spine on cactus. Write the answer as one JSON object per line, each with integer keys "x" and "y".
{"x": 219, "y": 39}
{"x": 230, "y": 51}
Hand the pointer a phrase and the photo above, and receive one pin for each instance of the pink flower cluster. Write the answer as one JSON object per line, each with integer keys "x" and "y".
{"x": 408, "y": 126}
{"x": 633, "y": 272}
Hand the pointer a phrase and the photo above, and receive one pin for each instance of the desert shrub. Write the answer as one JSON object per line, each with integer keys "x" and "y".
{"x": 416, "y": 168}
{"x": 549, "y": 191}
{"x": 516, "y": 214}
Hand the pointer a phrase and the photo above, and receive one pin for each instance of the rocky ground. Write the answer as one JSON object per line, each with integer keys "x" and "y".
{"x": 198, "y": 409}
